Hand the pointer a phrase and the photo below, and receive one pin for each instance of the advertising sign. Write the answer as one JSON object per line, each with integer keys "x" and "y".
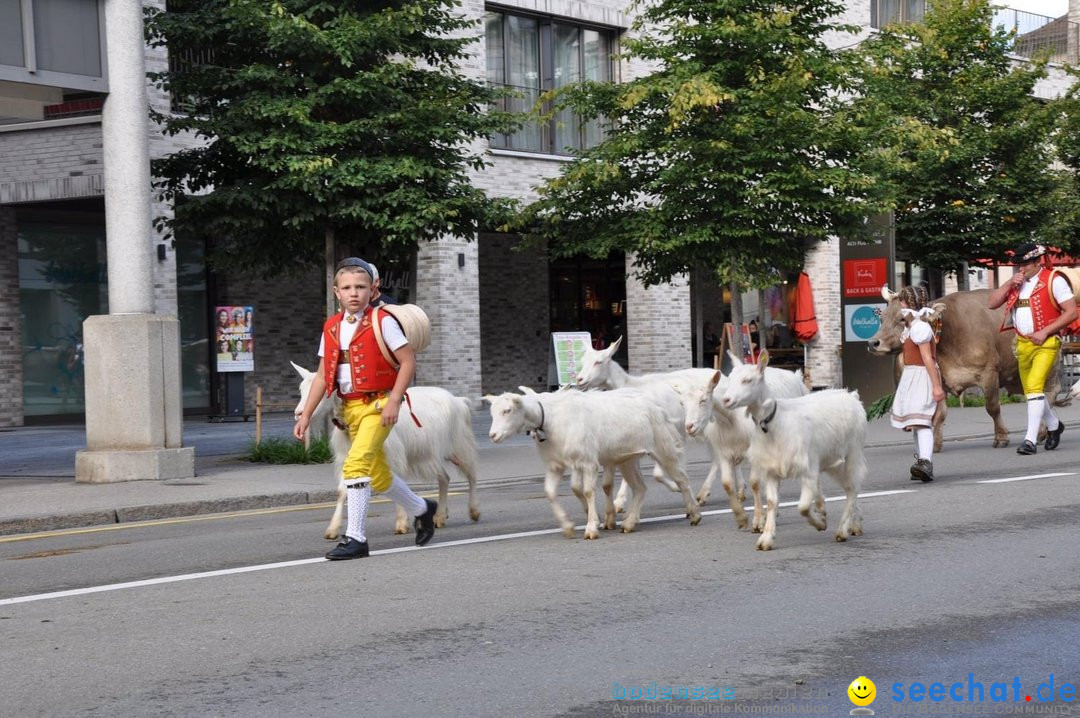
{"x": 863, "y": 278}
{"x": 569, "y": 348}
{"x": 861, "y": 321}
{"x": 234, "y": 338}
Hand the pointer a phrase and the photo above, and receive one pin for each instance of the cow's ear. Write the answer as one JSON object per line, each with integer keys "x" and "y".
{"x": 939, "y": 309}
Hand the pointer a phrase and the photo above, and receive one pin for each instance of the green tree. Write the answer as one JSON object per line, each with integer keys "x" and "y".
{"x": 1064, "y": 228}
{"x": 950, "y": 125}
{"x": 322, "y": 120}
{"x": 724, "y": 158}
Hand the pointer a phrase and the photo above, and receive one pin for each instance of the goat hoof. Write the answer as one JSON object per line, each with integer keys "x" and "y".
{"x": 628, "y": 529}
{"x": 440, "y": 522}
{"x": 568, "y": 532}
{"x": 764, "y": 545}
{"x": 400, "y": 530}
{"x": 702, "y": 499}
{"x": 474, "y": 514}
{"x": 591, "y": 535}
{"x": 841, "y": 538}
{"x": 695, "y": 519}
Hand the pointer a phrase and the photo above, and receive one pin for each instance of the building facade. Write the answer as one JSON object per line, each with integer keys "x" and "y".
{"x": 493, "y": 306}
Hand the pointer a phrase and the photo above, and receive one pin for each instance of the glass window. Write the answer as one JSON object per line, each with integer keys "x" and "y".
{"x": 883, "y": 12}
{"x": 11, "y": 42}
{"x": 67, "y": 36}
{"x": 62, "y": 281}
{"x": 193, "y": 312}
{"x": 531, "y": 55}
{"x": 590, "y": 295}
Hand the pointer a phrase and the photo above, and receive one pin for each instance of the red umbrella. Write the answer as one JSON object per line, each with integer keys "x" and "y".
{"x": 804, "y": 318}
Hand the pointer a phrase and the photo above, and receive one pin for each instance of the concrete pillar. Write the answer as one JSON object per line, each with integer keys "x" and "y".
{"x": 134, "y": 417}
{"x": 448, "y": 289}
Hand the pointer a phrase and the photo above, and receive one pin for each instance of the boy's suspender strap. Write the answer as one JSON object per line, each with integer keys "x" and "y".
{"x": 376, "y": 325}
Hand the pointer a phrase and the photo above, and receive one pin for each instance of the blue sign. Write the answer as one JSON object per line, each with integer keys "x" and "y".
{"x": 862, "y": 321}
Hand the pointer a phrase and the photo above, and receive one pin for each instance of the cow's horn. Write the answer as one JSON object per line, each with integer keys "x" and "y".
{"x": 887, "y": 295}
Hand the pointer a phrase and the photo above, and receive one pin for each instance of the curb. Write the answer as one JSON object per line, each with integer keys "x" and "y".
{"x": 151, "y": 512}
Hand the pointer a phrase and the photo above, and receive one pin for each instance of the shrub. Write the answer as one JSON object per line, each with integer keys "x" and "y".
{"x": 289, "y": 451}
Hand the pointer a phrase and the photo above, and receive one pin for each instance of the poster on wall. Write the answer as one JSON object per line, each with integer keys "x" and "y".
{"x": 569, "y": 348}
{"x": 234, "y": 338}
{"x": 863, "y": 278}
{"x": 861, "y": 321}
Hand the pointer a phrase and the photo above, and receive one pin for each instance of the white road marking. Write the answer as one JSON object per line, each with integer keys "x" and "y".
{"x": 402, "y": 549}
{"x": 1023, "y": 478}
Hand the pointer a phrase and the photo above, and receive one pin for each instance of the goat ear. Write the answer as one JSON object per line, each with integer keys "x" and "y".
{"x": 489, "y": 398}
{"x": 736, "y": 360}
{"x": 763, "y": 360}
{"x": 526, "y": 389}
{"x": 304, "y": 373}
{"x": 714, "y": 380}
{"x": 614, "y": 346}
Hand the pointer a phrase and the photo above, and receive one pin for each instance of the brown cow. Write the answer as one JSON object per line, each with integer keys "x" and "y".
{"x": 971, "y": 352}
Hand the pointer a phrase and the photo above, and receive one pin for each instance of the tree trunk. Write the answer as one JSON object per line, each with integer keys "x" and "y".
{"x": 330, "y": 259}
{"x": 962, "y": 278}
{"x": 737, "y": 345}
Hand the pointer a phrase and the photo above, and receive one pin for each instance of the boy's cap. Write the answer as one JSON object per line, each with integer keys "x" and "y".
{"x": 374, "y": 272}
{"x": 1027, "y": 252}
{"x": 358, "y": 263}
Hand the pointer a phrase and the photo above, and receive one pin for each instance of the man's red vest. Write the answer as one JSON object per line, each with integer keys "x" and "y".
{"x": 1043, "y": 311}
{"x": 368, "y": 368}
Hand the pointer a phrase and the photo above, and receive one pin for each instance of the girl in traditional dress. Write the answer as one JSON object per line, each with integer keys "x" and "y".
{"x": 920, "y": 389}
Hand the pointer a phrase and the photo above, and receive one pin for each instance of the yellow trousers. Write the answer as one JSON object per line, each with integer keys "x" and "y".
{"x": 366, "y": 456}
{"x": 1035, "y": 362}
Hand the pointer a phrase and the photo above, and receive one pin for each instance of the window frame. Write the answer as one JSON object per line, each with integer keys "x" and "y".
{"x": 550, "y": 132}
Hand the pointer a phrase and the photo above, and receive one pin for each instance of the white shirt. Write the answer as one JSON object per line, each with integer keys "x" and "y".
{"x": 1022, "y": 318}
{"x": 919, "y": 332}
{"x": 392, "y": 335}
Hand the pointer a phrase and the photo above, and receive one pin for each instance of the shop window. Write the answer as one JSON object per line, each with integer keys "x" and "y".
{"x": 590, "y": 295}
{"x": 193, "y": 311}
{"x": 62, "y": 281}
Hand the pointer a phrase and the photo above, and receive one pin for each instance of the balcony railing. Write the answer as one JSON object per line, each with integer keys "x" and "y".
{"x": 1038, "y": 34}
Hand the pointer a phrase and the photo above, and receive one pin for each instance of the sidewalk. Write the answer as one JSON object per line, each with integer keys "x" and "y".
{"x": 38, "y": 490}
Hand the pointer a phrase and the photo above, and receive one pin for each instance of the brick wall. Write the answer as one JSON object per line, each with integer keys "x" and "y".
{"x": 657, "y": 324}
{"x": 823, "y": 356}
{"x": 11, "y": 371}
{"x": 289, "y": 314}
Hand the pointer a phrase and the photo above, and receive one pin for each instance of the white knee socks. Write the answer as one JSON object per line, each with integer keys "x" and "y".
{"x": 1035, "y": 406}
{"x": 403, "y": 496}
{"x": 924, "y": 442}
{"x": 1049, "y": 417}
{"x": 357, "y": 496}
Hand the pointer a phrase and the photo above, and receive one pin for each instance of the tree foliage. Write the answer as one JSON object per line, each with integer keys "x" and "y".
{"x": 350, "y": 117}
{"x": 950, "y": 125}
{"x": 723, "y": 158}
{"x": 1063, "y": 230}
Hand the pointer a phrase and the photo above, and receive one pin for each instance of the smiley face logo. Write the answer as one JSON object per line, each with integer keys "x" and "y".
{"x": 862, "y": 691}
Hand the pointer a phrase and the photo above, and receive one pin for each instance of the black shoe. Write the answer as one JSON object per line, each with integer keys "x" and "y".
{"x": 425, "y": 523}
{"x": 1053, "y": 438}
{"x": 922, "y": 470}
{"x": 349, "y": 548}
{"x": 1027, "y": 448}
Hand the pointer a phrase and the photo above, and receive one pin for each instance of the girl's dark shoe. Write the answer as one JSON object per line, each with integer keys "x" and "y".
{"x": 922, "y": 470}
{"x": 1027, "y": 448}
{"x": 349, "y": 548}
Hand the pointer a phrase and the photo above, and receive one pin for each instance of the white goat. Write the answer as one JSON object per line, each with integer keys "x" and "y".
{"x": 583, "y": 431}
{"x": 800, "y": 438}
{"x": 600, "y": 371}
{"x": 416, "y": 452}
{"x": 1074, "y": 393}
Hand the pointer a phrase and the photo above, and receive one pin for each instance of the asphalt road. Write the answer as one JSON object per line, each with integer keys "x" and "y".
{"x": 958, "y": 582}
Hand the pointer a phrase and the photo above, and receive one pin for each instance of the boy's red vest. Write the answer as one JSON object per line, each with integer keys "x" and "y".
{"x": 1043, "y": 311}
{"x": 368, "y": 368}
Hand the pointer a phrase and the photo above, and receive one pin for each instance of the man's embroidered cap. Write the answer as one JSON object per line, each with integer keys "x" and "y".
{"x": 1027, "y": 252}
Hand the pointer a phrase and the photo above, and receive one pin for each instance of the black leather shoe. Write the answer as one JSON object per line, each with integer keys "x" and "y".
{"x": 349, "y": 548}
{"x": 922, "y": 470}
{"x": 1027, "y": 448}
{"x": 1053, "y": 438}
{"x": 425, "y": 523}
